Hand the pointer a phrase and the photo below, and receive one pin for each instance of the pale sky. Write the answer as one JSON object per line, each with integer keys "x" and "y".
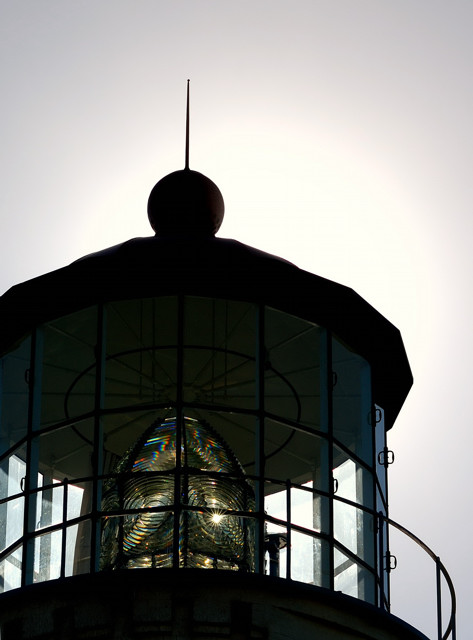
{"x": 339, "y": 134}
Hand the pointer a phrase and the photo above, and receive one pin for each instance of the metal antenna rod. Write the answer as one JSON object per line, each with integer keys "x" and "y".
{"x": 187, "y": 127}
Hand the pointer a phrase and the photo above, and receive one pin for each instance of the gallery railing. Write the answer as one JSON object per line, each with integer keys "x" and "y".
{"x": 441, "y": 572}
{"x": 13, "y": 555}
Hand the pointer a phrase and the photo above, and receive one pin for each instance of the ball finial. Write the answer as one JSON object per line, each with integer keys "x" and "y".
{"x": 185, "y": 203}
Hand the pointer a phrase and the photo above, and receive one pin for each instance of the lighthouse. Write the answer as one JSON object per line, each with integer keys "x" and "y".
{"x": 193, "y": 443}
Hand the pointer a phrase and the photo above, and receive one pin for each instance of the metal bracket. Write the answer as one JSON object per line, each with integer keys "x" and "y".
{"x": 385, "y": 457}
{"x": 378, "y": 416}
{"x": 391, "y": 562}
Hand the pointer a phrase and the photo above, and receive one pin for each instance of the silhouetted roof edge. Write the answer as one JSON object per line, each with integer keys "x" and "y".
{"x": 145, "y": 267}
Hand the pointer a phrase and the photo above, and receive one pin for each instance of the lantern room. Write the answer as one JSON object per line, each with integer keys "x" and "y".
{"x": 185, "y": 403}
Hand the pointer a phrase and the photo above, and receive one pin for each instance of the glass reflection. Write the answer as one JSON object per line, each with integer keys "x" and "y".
{"x": 206, "y": 484}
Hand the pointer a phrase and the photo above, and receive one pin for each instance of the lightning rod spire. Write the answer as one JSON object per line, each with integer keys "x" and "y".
{"x": 187, "y": 127}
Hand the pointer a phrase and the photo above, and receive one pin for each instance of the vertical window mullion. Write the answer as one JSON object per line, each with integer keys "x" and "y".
{"x": 97, "y": 457}
{"x": 321, "y": 476}
{"x": 376, "y": 522}
{"x": 65, "y": 485}
{"x": 331, "y": 487}
{"x": 32, "y": 463}
{"x": 259, "y": 495}
{"x": 366, "y": 538}
{"x": 288, "y": 529}
{"x": 179, "y": 432}
{"x": 387, "y": 590}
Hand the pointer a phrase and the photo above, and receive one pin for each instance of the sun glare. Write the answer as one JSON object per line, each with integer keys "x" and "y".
{"x": 216, "y": 518}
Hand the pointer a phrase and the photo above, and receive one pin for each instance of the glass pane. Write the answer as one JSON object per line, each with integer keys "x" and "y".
{"x": 138, "y": 541}
{"x": 219, "y": 352}
{"x": 148, "y": 322}
{"x": 366, "y": 585}
{"x": 346, "y": 574}
{"x": 355, "y": 530}
{"x": 352, "y": 579}
{"x": 49, "y": 505}
{"x": 352, "y": 402}
{"x": 11, "y": 521}
{"x": 217, "y": 541}
{"x": 321, "y": 563}
{"x": 68, "y": 374}
{"x": 309, "y": 556}
{"x": 303, "y": 506}
{"x": 10, "y": 571}
{"x": 353, "y": 527}
{"x": 236, "y": 430}
{"x": 275, "y": 545}
{"x": 275, "y": 500}
{"x": 121, "y": 432}
{"x": 78, "y": 548}
{"x": 12, "y": 474}
{"x": 303, "y": 560}
{"x": 293, "y": 455}
{"x": 67, "y": 452}
{"x": 75, "y": 500}
{"x": 345, "y": 525}
{"x": 79, "y": 499}
{"x": 353, "y": 481}
{"x": 141, "y": 352}
{"x": 141, "y": 538}
{"x": 47, "y": 556}
{"x": 71, "y": 541}
{"x": 14, "y": 375}
{"x": 220, "y": 324}
{"x": 292, "y": 368}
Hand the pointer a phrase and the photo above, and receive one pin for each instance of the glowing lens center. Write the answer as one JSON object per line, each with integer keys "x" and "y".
{"x": 216, "y": 518}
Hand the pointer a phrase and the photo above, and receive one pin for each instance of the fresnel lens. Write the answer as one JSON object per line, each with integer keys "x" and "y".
{"x": 207, "y": 487}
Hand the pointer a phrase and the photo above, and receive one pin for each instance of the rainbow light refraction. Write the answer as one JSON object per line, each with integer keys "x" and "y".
{"x": 212, "y": 490}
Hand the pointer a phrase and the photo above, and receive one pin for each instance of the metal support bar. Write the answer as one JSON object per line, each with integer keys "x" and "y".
{"x": 288, "y": 529}
{"x": 31, "y": 471}
{"x": 179, "y": 434}
{"x": 380, "y": 521}
{"x": 65, "y": 484}
{"x": 97, "y": 454}
{"x": 260, "y": 459}
{"x": 439, "y": 597}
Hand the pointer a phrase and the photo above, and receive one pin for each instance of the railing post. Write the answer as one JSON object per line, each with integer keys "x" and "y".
{"x": 382, "y": 602}
{"x": 439, "y": 598}
{"x": 450, "y": 631}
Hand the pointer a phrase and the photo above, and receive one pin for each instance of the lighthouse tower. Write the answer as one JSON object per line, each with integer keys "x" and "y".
{"x": 193, "y": 443}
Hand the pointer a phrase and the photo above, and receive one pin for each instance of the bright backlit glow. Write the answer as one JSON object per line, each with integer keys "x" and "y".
{"x": 212, "y": 483}
{"x": 217, "y": 518}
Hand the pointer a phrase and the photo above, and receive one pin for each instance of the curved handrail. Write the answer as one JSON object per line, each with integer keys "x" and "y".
{"x": 441, "y": 570}
{"x": 450, "y": 632}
